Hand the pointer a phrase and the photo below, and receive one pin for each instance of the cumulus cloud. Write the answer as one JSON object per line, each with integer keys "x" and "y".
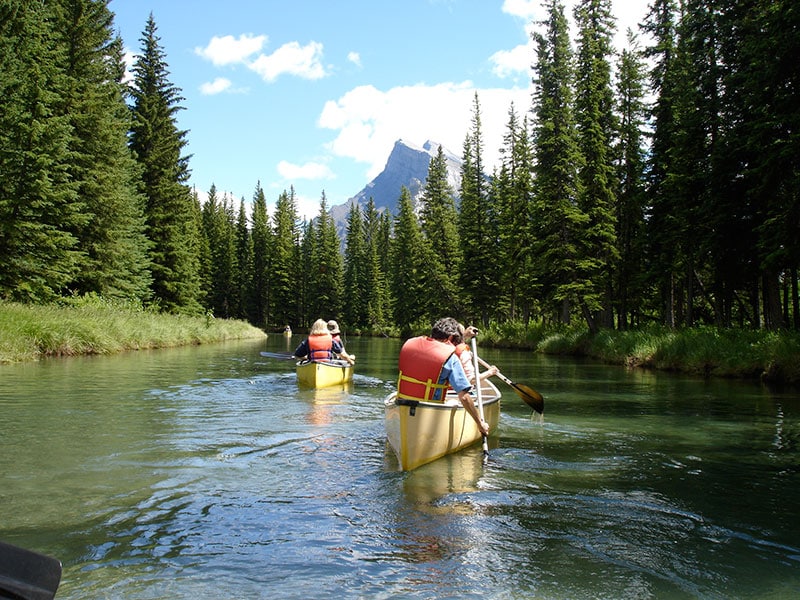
{"x": 309, "y": 170}
{"x": 525, "y": 9}
{"x": 355, "y": 58}
{"x": 292, "y": 58}
{"x": 219, "y": 85}
{"x": 227, "y": 50}
{"x": 369, "y": 120}
{"x": 508, "y": 63}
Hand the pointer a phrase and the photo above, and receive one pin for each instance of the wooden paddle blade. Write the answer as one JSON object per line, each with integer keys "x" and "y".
{"x": 530, "y": 396}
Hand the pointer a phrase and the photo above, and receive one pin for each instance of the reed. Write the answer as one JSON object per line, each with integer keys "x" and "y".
{"x": 94, "y": 326}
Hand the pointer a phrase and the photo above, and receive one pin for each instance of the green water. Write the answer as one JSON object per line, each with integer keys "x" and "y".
{"x": 205, "y": 472}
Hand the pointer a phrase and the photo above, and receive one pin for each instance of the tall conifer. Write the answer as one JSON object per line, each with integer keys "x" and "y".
{"x": 158, "y": 145}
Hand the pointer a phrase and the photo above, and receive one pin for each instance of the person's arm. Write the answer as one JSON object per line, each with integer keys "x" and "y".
{"x": 458, "y": 381}
{"x": 302, "y": 350}
{"x": 338, "y": 349}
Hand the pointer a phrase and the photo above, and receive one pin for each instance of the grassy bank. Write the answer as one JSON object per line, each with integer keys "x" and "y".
{"x": 736, "y": 353}
{"x": 29, "y": 332}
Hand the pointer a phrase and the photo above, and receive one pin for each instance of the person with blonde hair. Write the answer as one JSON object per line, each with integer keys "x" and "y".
{"x": 319, "y": 345}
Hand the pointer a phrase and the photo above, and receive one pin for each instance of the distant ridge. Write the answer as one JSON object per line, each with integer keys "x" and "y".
{"x": 407, "y": 165}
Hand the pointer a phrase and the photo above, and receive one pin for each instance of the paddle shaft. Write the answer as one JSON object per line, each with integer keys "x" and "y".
{"x": 479, "y": 395}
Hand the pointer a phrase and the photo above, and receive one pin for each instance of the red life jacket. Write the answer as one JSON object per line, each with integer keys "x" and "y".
{"x": 421, "y": 362}
{"x": 320, "y": 347}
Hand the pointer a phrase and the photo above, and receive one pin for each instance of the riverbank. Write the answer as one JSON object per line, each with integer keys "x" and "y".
{"x": 30, "y": 332}
{"x": 771, "y": 356}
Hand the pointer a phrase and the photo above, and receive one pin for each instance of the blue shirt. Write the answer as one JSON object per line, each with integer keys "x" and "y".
{"x": 453, "y": 373}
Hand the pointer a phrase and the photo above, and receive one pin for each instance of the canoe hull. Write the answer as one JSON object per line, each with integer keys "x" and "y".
{"x": 324, "y": 374}
{"x": 421, "y": 432}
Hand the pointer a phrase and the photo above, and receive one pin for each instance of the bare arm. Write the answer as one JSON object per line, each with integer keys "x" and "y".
{"x": 469, "y": 405}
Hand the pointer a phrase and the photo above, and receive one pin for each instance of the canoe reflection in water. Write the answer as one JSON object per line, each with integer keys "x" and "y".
{"x": 323, "y": 402}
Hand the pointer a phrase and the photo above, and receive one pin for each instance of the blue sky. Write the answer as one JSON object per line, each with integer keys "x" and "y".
{"x": 314, "y": 93}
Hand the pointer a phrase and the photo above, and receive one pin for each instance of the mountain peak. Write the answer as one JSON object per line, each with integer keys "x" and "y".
{"x": 407, "y": 166}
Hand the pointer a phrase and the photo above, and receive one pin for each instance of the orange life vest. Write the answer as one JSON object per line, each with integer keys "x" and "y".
{"x": 320, "y": 346}
{"x": 421, "y": 361}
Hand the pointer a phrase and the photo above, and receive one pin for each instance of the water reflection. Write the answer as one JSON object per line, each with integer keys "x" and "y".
{"x": 207, "y": 471}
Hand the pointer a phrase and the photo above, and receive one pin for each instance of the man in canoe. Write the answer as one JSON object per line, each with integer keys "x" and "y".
{"x": 320, "y": 345}
{"x": 428, "y": 359}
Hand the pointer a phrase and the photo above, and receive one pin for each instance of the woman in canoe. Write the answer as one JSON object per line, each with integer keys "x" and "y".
{"x": 320, "y": 345}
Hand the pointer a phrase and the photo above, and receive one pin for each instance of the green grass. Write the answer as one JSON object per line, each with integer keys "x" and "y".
{"x": 709, "y": 351}
{"x": 93, "y": 326}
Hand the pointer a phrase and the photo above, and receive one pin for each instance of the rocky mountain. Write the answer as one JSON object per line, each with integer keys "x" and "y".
{"x": 407, "y": 165}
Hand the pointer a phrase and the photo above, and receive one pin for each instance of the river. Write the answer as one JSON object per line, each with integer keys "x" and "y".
{"x": 205, "y": 472}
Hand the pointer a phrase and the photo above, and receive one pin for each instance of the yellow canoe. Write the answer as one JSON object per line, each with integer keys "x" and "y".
{"x": 324, "y": 374}
{"x": 421, "y": 432}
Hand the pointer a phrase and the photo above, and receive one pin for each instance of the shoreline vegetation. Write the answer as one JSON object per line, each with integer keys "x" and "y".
{"x": 94, "y": 326}
{"x": 31, "y": 332}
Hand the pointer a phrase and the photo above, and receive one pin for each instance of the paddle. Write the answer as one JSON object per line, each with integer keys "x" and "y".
{"x": 475, "y": 359}
{"x": 529, "y": 395}
{"x": 278, "y": 355}
{"x": 27, "y": 575}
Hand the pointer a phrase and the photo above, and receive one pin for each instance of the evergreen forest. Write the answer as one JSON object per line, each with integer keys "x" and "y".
{"x": 658, "y": 183}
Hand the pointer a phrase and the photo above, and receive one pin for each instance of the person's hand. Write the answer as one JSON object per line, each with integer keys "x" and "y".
{"x": 351, "y": 359}
{"x": 484, "y": 427}
{"x": 492, "y": 371}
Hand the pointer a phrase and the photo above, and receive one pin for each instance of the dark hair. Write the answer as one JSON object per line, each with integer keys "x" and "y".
{"x": 445, "y": 328}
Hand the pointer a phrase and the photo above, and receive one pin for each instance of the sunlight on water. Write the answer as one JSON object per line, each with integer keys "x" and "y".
{"x": 207, "y": 472}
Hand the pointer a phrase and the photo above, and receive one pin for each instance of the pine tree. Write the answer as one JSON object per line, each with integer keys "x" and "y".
{"x": 327, "y": 270}
{"x": 355, "y": 270}
{"x": 112, "y": 238}
{"x": 244, "y": 262}
{"x": 662, "y": 230}
{"x": 284, "y": 272}
{"x": 477, "y": 226}
{"x": 439, "y": 224}
{"x": 512, "y": 189}
{"x": 409, "y": 283}
{"x": 220, "y": 232}
{"x": 157, "y": 144}
{"x": 375, "y": 285}
{"x": 631, "y": 178}
{"x": 555, "y": 214}
{"x": 39, "y": 207}
{"x": 594, "y": 112}
{"x": 262, "y": 259}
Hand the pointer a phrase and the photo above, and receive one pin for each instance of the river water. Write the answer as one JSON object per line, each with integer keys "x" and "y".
{"x": 205, "y": 472}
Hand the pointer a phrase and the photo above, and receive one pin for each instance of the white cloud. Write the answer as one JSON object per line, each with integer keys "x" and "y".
{"x": 369, "y": 120}
{"x": 309, "y": 170}
{"x": 525, "y": 9}
{"x": 355, "y": 58}
{"x": 219, "y": 85}
{"x": 129, "y": 58}
{"x": 291, "y": 58}
{"x": 508, "y": 63}
{"x": 228, "y": 50}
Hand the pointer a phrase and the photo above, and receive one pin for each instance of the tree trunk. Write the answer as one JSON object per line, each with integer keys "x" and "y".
{"x": 773, "y": 319}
